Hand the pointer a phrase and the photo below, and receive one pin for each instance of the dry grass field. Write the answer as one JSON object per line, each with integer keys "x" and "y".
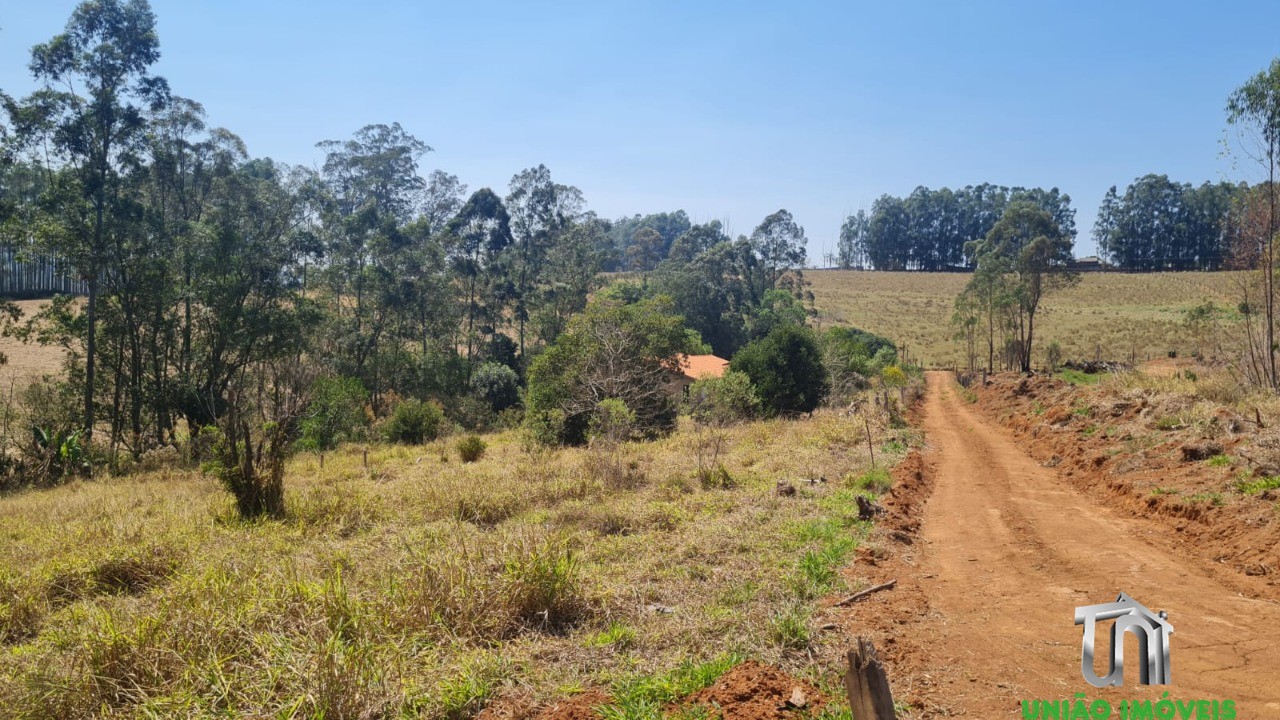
{"x": 424, "y": 587}
{"x": 1119, "y": 315}
{"x": 27, "y": 361}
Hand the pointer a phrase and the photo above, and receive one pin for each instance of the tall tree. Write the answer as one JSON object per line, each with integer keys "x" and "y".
{"x": 851, "y": 248}
{"x": 372, "y": 192}
{"x": 478, "y": 240}
{"x": 1028, "y": 244}
{"x": 780, "y": 244}
{"x": 1254, "y": 108}
{"x": 89, "y": 118}
{"x": 540, "y": 210}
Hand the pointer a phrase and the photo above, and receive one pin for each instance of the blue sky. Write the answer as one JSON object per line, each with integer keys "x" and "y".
{"x": 728, "y": 110}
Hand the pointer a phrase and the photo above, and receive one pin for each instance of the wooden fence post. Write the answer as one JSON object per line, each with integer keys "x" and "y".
{"x": 866, "y": 684}
{"x": 870, "y": 448}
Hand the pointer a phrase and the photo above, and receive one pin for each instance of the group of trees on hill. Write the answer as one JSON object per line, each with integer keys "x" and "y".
{"x": 930, "y": 229}
{"x": 1158, "y": 224}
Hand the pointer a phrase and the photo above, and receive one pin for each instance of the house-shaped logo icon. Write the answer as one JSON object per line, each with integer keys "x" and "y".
{"x": 1151, "y": 629}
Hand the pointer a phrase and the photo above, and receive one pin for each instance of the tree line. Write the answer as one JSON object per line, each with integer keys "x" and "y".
{"x": 929, "y": 230}
{"x": 1158, "y": 224}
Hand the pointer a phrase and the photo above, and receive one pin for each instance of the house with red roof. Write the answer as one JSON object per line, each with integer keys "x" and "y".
{"x": 696, "y": 367}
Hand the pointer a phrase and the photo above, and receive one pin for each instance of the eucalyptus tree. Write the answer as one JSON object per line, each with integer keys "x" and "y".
{"x": 372, "y": 190}
{"x": 540, "y": 210}
{"x": 695, "y": 240}
{"x": 1029, "y": 254}
{"x": 571, "y": 273}
{"x": 779, "y": 242}
{"x": 478, "y": 240}
{"x": 89, "y": 119}
{"x": 851, "y": 248}
{"x": 1254, "y": 110}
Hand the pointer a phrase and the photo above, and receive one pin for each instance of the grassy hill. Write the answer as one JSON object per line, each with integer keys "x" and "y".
{"x": 1116, "y": 314}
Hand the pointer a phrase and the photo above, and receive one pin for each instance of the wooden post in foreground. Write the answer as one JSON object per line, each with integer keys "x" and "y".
{"x": 870, "y": 448}
{"x": 866, "y": 684}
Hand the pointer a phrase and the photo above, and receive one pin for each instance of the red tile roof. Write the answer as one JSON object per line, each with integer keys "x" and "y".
{"x": 697, "y": 366}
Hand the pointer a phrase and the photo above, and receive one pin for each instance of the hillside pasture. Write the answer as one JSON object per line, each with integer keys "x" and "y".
{"x": 421, "y": 586}
{"x": 1118, "y": 316}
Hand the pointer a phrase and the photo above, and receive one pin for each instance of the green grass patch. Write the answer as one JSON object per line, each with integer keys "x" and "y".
{"x": 616, "y": 635}
{"x": 643, "y": 696}
{"x": 1254, "y": 487}
{"x": 1213, "y": 498}
{"x": 1076, "y": 377}
{"x": 876, "y": 480}
{"x": 1219, "y": 461}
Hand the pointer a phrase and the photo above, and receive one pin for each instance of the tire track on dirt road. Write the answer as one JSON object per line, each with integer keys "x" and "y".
{"x": 1010, "y": 549}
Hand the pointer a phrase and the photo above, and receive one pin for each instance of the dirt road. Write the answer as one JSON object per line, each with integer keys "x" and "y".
{"x": 1010, "y": 549}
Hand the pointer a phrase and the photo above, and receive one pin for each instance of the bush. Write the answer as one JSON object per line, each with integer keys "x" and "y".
{"x": 544, "y": 427}
{"x": 787, "y": 370}
{"x": 723, "y": 400}
{"x": 611, "y": 350}
{"x": 613, "y": 422}
{"x": 1053, "y": 355}
{"x": 854, "y": 356}
{"x": 497, "y": 385}
{"x": 414, "y": 422}
{"x": 470, "y": 448}
{"x": 336, "y": 413}
{"x": 893, "y": 376}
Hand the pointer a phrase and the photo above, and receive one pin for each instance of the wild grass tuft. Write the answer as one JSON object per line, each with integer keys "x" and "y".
{"x": 1260, "y": 485}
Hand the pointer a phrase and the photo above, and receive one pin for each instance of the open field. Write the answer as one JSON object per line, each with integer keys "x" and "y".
{"x": 27, "y": 361}
{"x": 1117, "y": 315}
{"x": 425, "y": 587}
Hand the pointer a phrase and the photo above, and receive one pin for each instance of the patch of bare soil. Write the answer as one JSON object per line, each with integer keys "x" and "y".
{"x": 752, "y": 691}
{"x": 578, "y": 707}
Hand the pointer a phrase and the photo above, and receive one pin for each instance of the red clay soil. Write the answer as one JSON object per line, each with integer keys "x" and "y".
{"x": 577, "y": 707}
{"x": 991, "y": 566}
{"x": 1111, "y": 444}
{"x": 752, "y": 691}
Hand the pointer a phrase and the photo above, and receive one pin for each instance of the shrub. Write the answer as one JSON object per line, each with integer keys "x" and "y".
{"x": 544, "y": 427}
{"x": 497, "y": 385}
{"x": 1053, "y": 355}
{"x": 612, "y": 350}
{"x": 853, "y": 356}
{"x": 724, "y": 400}
{"x": 414, "y": 422}
{"x": 893, "y": 376}
{"x": 787, "y": 370}
{"x": 613, "y": 422}
{"x": 470, "y": 448}
{"x": 336, "y": 413}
